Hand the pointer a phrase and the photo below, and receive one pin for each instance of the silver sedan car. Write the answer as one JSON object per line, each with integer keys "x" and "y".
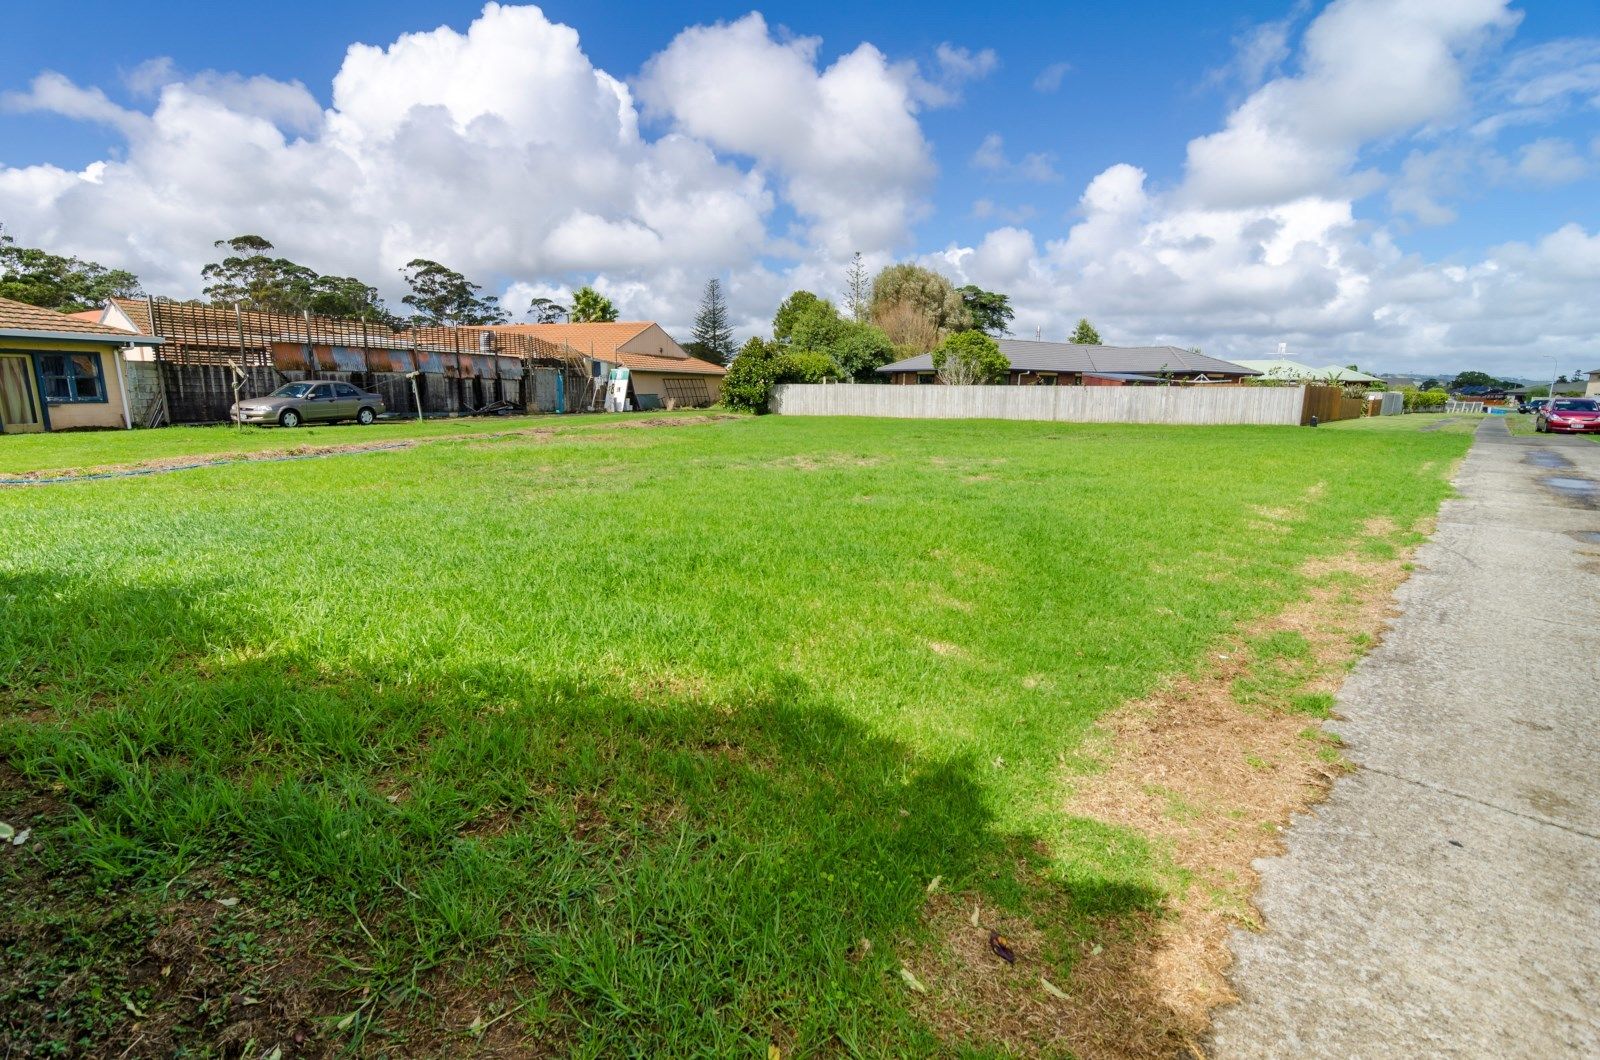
{"x": 313, "y": 401}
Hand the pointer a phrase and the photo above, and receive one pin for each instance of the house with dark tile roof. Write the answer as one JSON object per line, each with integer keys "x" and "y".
{"x": 1035, "y": 363}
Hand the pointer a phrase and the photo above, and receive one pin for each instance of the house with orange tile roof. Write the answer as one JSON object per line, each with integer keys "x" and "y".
{"x": 61, "y": 371}
{"x": 661, "y": 373}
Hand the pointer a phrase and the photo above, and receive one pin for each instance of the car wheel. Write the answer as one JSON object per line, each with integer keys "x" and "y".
{"x": 289, "y": 418}
{"x": 365, "y": 417}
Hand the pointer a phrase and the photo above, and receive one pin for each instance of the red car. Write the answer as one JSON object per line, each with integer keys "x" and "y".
{"x": 1569, "y": 414}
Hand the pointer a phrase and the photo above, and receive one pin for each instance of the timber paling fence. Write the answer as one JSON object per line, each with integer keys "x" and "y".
{"x": 460, "y": 370}
{"x": 1068, "y": 404}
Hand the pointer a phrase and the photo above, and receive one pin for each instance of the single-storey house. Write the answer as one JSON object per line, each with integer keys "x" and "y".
{"x": 1576, "y": 388}
{"x": 1592, "y": 388}
{"x": 661, "y": 373}
{"x": 1295, "y": 372}
{"x": 1036, "y": 363}
{"x": 59, "y": 371}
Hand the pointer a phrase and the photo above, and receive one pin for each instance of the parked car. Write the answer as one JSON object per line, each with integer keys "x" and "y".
{"x": 313, "y": 401}
{"x": 1533, "y": 405}
{"x": 1569, "y": 414}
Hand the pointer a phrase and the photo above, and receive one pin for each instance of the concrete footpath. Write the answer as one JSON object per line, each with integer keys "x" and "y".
{"x": 1445, "y": 900}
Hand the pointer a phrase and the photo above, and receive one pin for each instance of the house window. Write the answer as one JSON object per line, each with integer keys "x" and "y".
{"x": 1047, "y": 380}
{"x": 70, "y": 377}
{"x": 925, "y": 378}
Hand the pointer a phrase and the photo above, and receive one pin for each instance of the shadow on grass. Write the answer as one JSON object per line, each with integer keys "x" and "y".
{"x": 650, "y": 868}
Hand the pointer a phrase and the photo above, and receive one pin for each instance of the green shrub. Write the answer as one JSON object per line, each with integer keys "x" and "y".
{"x": 751, "y": 376}
{"x": 802, "y": 366}
{"x": 970, "y": 357}
{"x": 761, "y": 365}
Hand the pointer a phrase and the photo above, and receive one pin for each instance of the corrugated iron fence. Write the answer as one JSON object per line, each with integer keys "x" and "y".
{"x": 461, "y": 370}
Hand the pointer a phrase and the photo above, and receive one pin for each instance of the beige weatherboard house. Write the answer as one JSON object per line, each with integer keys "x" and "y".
{"x": 60, "y": 372}
{"x": 661, "y": 374}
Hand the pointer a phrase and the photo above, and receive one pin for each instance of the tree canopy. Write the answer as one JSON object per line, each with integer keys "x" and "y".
{"x": 67, "y": 284}
{"x": 546, "y": 311}
{"x": 346, "y": 296}
{"x": 1476, "y": 379}
{"x": 806, "y": 324}
{"x": 250, "y": 277}
{"x": 589, "y": 306}
{"x": 916, "y": 307}
{"x": 1085, "y": 334}
{"x": 990, "y": 311}
{"x": 441, "y": 296}
{"x": 792, "y": 309}
{"x": 713, "y": 334}
{"x": 970, "y": 357}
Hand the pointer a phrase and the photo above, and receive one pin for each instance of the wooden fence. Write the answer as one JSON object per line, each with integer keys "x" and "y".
{"x": 1069, "y": 404}
{"x": 1329, "y": 403}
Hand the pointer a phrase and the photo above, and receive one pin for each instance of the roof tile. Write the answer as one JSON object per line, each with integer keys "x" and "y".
{"x": 20, "y": 316}
{"x": 1030, "y": 355}
{"x": 601, "y": 339}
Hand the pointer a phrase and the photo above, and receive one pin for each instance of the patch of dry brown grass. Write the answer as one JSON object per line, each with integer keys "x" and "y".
{"x": 1212, "y": 783}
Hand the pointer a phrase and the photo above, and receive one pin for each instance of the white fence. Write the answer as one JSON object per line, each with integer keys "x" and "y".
{"x": 1465, "y": 406}
{"x": 1070, "y": 404}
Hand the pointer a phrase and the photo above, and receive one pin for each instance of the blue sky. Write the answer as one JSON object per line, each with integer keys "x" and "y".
{"x": 1135, "y": 84}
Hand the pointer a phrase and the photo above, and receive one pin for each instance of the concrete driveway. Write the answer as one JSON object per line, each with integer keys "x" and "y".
{"x": 1445, "y": 901}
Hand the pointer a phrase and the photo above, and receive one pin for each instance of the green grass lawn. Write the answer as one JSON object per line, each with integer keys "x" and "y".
{"x": 78, "y": 450}
{"x": 1431, "y": 422}
{"x": 629, "y": 737}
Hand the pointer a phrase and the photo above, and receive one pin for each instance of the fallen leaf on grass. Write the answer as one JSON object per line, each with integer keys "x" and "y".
{"x": 227, "y": 903}
{"x": 933, "y": 884}
{"x": 974, "y": 914}
{"x": 344, "y": 1024}
{"x": 21, "y": 837}
{"x": 477, "y": 1027}
{"x": 774, "y": 1053}
{"x": 275, "y": 1054}
{"x": 6, "y": 831}
{"x": 131, "y": 1007}
{"x": 1002, "y": 947}
{"x": 912, "y": 981}
{"x": 1052, "y": 989}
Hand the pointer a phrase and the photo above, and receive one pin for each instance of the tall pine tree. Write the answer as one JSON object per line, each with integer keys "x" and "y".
{"x": 713, "y": 336}
{"x": 1086, "y": 335}
{"x": 857, "y": 289}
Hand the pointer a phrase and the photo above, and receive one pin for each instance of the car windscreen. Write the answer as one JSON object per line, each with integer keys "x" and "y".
{"x": 293, "y": 390}
{"x": 1575, "y": 406}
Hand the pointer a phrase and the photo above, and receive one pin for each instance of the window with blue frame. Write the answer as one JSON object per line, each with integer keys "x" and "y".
{"x": 70, "y": 377}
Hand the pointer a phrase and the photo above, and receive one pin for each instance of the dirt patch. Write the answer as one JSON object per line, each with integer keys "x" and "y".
{"x": 826, "y": 461}
{"x": 1216, "y": 783}
{"x": 1210, "y": 768}
{"x": 676, "y": 421}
